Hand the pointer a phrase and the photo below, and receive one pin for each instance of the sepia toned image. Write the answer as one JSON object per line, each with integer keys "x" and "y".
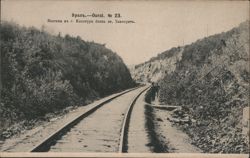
{"x": 149, "y": 78}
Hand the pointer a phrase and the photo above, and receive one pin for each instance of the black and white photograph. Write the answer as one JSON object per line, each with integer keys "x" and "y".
{"x": 136, "y": 78}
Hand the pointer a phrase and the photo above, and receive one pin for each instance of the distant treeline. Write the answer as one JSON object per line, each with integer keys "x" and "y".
{"x": 42, "y": 73}
{"x": 160, "y": 56}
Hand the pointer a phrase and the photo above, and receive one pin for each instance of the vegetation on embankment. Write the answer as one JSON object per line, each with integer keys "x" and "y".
{"x": 212, "y": 81}
{"x": 42, "y": 73}
{"x": 210, "y": 77}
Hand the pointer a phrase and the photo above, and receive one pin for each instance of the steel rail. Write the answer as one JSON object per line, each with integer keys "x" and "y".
{"x": 125, "y": 126}
{"x": 46, "y": 143}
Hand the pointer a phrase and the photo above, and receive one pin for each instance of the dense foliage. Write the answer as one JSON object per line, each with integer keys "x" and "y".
{"x": 212, "y": 81}
{"x": 41, "y": 73}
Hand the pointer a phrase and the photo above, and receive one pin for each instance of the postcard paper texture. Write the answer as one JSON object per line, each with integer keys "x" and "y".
{"x": 124, "y": 78}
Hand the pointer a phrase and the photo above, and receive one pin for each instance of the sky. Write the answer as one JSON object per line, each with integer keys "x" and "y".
{"x": 159, "y": 25}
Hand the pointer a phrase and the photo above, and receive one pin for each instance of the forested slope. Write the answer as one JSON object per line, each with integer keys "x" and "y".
{"x": 210, "y": 79}
{"x": 42, "y": 73}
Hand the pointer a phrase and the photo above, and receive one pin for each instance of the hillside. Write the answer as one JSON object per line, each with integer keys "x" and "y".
{"x": 210, "y": 81}
{"x": 42, "y": 73}
{"x": 156, "y": 68}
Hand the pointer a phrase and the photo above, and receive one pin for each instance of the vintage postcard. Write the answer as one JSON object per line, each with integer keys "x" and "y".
{"x": 141, "y": 78}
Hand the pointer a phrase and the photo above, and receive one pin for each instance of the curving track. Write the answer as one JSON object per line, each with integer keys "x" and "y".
{"x": 103, "y": 128}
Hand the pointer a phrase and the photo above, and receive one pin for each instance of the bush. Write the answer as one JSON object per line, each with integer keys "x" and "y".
{"x": 42, "y": 73}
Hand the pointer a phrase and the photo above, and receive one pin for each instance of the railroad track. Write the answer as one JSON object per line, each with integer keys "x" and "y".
{"x": 102, "y": 128}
